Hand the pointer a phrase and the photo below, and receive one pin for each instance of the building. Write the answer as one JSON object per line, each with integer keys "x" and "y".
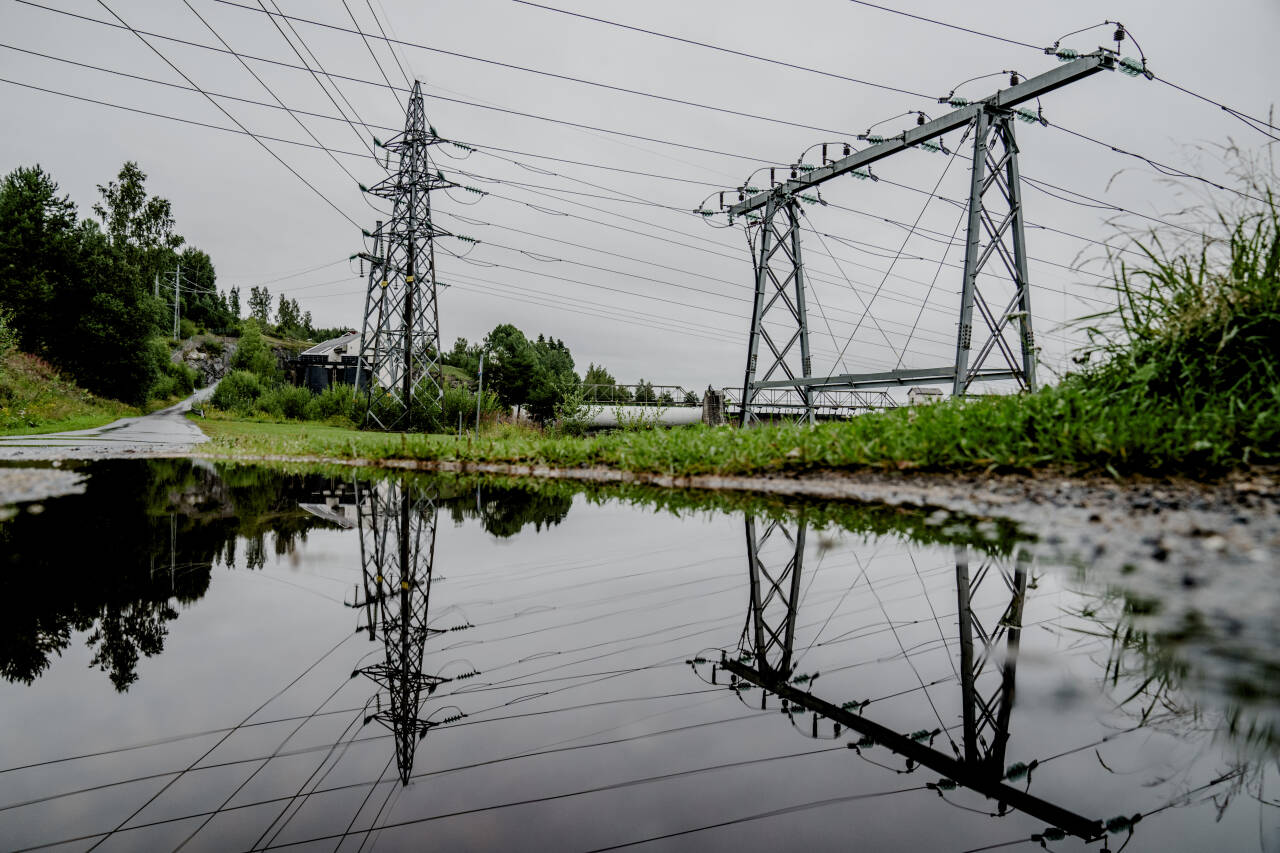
{"x": 332, "y": 362}
{"x": 922, "y": 394}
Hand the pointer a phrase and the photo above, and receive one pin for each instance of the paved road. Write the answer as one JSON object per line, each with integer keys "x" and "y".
{"x": 165, "y": 431}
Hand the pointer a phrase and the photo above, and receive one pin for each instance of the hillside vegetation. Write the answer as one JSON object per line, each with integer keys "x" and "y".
{"x": 36, "y": 397}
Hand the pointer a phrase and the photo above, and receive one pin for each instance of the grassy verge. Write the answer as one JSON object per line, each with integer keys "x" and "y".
{"x": 36, "y": 398}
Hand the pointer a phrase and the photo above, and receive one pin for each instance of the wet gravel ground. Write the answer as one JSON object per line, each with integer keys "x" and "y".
{"x": 29, "y": 486}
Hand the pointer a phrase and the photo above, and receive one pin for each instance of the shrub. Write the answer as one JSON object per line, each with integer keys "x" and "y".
{"x": 254, "y": 355}
{"x": 238, "y": 391}
{"x": 187, "y": 329}
{"x": 337, "y": 402}
{"x": 285, "y": 401}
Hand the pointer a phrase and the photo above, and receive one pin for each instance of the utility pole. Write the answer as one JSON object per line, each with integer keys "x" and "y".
{"x": 177, "y": 297}
{"x": 400, "y": 342}
{"x": 779, "y": 336}
{"x": 479, "y": 393}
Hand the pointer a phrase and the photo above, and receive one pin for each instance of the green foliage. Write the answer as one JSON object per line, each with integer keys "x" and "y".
{"x": 172, "y": 379}
{"x": 260, "y": 305}
{"x": 459, "y": 406}
{"x": 254, "y": 355}
{"x": 8, "y": 336}
{"x": 187, "y": 328}
{"x": 336, "y": 404}
{"x": 131, "y": 218}
{"x": 526, "y": 374}
{"x": 574, "y": 412}
{"x": 82, "y": 296}
{"x": 285, "y": 401}
{"x": 238, "y": 392}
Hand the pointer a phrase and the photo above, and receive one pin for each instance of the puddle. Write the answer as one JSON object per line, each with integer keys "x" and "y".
{"x": 246, "y": 658}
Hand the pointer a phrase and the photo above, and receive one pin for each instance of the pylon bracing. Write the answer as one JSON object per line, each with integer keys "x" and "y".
{"x": 400, "y": 343}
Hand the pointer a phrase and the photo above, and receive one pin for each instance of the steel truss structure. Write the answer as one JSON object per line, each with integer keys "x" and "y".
{"x": 778, "y": 345}
{"x": 823, "y": 403}
{"x": 400, "y": 342}
{"x": 397, "y": 524}
{"x": 765, "y": 660}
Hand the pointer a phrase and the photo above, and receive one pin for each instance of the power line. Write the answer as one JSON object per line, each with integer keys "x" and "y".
{"x": 224, "y": 111}
{"x": 1163, "y": 168}
{"x": 320, "y": 83}
{"x": 939, "y": 23}
{"x": 1231, "y": 111}
{"x": 537, "y": 71}
{"x": 727, "y": 50}
{"x": 369, "y": 47}
{"x": 503, "y": 110}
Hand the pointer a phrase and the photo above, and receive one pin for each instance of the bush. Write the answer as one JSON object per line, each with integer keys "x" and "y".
{"x": 8, "y": 336}
{"x": 336, "y": 403}
{"x": 238, "y": 392}
{"x": 254, "y": 355}
{"x": 285, "y": 401}
{"x": 187, "y": 329}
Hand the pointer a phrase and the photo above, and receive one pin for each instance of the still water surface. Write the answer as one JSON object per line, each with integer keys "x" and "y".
{"x": 216, "y": 658}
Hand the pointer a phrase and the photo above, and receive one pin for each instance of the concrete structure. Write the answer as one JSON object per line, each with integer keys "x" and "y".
{"x": 332, "y": 362}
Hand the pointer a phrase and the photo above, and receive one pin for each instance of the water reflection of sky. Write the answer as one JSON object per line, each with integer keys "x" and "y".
{"x": 586, "y": 726}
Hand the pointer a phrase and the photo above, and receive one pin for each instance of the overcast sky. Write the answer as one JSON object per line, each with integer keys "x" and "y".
{"x": 614, "y": 263}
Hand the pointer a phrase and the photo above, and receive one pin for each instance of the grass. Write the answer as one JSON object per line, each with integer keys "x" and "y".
{"x": 36, "y": 398}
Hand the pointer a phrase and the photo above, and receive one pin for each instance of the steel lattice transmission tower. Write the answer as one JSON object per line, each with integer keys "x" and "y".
{"x": 400, "y": 343}
{"x": 397, "y": 548}
{"x": 999, "y": 345}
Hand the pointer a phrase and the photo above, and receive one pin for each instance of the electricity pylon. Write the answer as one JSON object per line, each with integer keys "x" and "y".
{"x": 397, "y": 524}
{"x": 399, "y": 361}
{"x": 778, "y": 346}
{"x": 765, "y": 660}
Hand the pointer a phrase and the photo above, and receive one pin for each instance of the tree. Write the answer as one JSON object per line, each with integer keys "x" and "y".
{"x": 288, "y": 315}
{"x": 106, "y": 343}
{"x": 511, "y": 365}
{"x": 37, "y": 255}
{"x": 201, "y": 302}
{"x": 132, "y": 219}
{"x": 644, "y": 392}
{"x": 260, "y": 305}
{"x": 234, "y": 303}
{"x": 253, "y": 354}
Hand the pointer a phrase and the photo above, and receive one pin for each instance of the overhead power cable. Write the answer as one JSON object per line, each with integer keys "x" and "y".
{"x": 335, "y": 76}
{"x": 1163, "y": 168}
{"x": 363, "y": 37}
{"x": 1255, "y": 123}
{"x": 363, "y": 137}
{"x": 726, "y": 50}
{"x": 949, "y": 26}
{"x": 234, "y": 120}
{"x": 538, "y": 71}
{"x": 273, "y": 95}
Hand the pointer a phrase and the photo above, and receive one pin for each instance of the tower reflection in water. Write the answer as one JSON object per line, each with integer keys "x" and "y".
{"x": 985, "y": 665}
{"x": 397, "y": 521}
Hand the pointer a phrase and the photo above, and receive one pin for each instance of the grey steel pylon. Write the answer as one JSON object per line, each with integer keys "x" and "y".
{"x": 779, "y": 291}
{"x": 399, "y": 362}
{"x": 397, "y": 522}
{"x": 995, "y": 212}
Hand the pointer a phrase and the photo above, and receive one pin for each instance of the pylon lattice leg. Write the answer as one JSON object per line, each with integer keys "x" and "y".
{"x": 775, "y": 561}
{"x": 995, "y": 230}
{"x": 779, "y": 317}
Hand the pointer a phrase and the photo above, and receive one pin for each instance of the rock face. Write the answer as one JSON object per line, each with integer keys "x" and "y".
{"x": 209, "y": 356}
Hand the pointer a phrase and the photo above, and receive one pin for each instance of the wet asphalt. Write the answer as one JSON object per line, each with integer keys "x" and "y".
{"x": 163, "y": 432}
